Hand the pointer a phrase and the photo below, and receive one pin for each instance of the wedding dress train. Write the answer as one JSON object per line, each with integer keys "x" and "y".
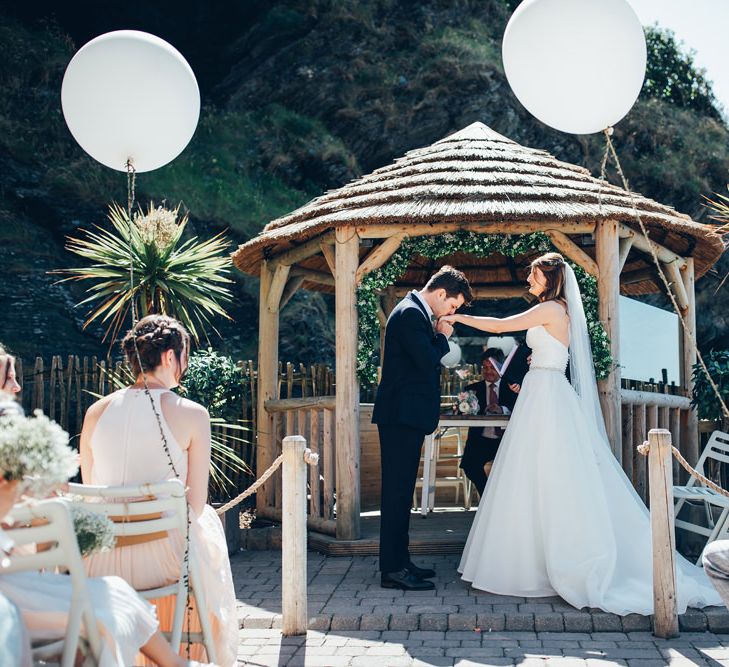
{"x": 558, "y": 515}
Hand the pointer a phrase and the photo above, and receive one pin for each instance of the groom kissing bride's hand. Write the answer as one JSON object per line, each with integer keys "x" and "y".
{"x": 407, "y": 408}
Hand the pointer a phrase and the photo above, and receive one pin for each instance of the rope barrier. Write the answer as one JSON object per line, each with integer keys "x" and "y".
{"x": 312, "y": 458}
{"x": 645, "y": 448}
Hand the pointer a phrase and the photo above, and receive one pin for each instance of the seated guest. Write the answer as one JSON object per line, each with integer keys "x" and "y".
{"x": 127, "y": 624}
{"x": 716, "y": 565}
{"x": 494, "y": 397}
{"x": 121, "y": 444}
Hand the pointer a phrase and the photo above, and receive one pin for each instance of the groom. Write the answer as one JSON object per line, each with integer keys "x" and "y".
{"x": 407, "y": 408}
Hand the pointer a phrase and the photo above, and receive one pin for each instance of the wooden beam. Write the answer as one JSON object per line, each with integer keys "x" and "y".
{"x": 673, "y": 273}
{"x": 293, "y": 404}
{"x": 690, "y": 435}
{"x": 383, "y": 231}
{"x": 608, "y": 287}
{"x": 633, "y": 397}
{"x": 639, "y": 276}
{"x": 292, "y": 286}
{"x": 379, "y": 255}
{"x": 479, "y": 292}
{"x": 625, "y": 245}
{"x": 327, "y": 249}
{"x": 268, "y": 323}
{"x": 644, "y": 245}
{"x": 313, "y": 276}
{"x": 347, "y": 393}
{"x": 280, "y": 276}
{"x": 307, "y": 249}
{"x": 567, "y": 246}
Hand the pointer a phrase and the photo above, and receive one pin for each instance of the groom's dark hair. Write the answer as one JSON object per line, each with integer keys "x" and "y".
{"x": 453, "y": 281}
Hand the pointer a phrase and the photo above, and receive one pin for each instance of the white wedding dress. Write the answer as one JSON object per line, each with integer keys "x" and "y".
{"x": 558, "y": 515}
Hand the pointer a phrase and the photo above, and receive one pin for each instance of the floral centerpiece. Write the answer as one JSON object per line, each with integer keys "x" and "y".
{"x": 34, "y": 451}
{"x": 466, "y": 403}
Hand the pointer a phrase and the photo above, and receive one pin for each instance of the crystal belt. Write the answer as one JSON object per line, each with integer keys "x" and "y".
{"x": 546, "y": 368}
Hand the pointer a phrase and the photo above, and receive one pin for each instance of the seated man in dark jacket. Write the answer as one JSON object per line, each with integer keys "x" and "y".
{"x": 494, "y": 397}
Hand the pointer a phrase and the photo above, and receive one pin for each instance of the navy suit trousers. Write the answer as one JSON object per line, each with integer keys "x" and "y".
{"x": 400, "y": 449}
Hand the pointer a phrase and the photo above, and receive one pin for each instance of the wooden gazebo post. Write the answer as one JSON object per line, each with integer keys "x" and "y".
{"x": 690, "y": 435}
{"x": 347, "y": 387}
{"x": 267, "y": 371}
{"x": 607, "y": 252}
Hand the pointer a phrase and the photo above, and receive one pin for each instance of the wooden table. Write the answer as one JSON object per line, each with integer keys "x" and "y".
{"x": 427, "y": 501}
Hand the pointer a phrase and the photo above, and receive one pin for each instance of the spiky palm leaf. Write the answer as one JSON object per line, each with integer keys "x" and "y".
{"x": 186, "y": 280}
{"x": 720, "y": 212}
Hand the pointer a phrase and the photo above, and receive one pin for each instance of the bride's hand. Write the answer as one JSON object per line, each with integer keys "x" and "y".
{"x": 450, "y": 319}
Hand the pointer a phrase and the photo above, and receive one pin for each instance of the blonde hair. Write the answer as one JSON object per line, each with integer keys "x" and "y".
{"x": 552, "y": 266}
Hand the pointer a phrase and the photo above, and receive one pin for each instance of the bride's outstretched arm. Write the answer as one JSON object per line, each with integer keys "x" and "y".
{"x": 543, "y": 313}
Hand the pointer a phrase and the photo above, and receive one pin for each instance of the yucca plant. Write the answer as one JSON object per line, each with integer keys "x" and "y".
{"x": 183, "y": 279}
{"x": 719, "y": 209}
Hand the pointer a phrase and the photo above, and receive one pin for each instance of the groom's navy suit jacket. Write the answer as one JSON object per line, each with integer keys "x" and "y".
{"x": 409, "y": 391}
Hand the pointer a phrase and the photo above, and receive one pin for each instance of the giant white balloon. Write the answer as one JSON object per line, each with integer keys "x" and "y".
{"x": 577, "y": 65}
{"x": 130, "y": 95}
{"x": 453, "y": 356}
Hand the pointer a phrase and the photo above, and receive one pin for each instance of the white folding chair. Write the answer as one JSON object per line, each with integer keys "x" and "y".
{"x": 717, "y": 449}
{"x": 60, "y": 550}
{"x": 459, "y": 481}
{"x": 145, "y": 510}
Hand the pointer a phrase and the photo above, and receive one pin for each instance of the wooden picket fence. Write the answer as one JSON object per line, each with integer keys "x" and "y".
{"x": 64, "y": 387}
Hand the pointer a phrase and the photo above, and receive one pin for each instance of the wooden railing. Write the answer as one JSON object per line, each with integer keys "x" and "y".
{"x": 643, "y": 411}
{"x": 312, "y": 418}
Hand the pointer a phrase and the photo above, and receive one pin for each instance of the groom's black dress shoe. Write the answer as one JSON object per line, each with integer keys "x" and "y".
{"x": 405, "y": 580}
{"x": 421, "y": 572}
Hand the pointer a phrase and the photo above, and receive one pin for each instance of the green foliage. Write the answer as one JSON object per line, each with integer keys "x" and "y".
{"x": 480, "y": 245}
{"x": 215, "y": 381}
{"x": 673, "y": 76}
{"x": 704, "y": 398}
{"x": 183, "y": 279}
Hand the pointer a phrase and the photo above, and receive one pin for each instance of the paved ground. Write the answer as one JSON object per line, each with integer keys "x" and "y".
{"x": 401, "y": 648}
{"x": 344, "y": 596}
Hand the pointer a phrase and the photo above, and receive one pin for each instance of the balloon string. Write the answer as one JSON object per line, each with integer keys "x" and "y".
{"x": 131, "y": 185}
{"x": 687, "y": 328}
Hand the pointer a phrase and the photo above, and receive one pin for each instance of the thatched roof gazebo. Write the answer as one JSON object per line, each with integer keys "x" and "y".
{"x": 480, "y": 181}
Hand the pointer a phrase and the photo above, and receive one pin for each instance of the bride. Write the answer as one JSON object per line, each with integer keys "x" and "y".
{"x": 558, "y": 515}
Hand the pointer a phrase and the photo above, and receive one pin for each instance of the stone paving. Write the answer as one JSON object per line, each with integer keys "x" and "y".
{"x": 424, "y": 648}
{"x": 344, "y": 595}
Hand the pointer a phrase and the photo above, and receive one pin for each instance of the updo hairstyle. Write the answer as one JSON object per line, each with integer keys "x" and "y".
{"x": 155, "y": 335}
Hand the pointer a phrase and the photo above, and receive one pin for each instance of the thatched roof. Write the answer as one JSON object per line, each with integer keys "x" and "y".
{"x": 478, "y": 176}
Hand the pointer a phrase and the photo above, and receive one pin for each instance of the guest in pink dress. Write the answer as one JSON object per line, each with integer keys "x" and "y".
{"x": 122, "y": 444}
{"x": 127, "y": 623}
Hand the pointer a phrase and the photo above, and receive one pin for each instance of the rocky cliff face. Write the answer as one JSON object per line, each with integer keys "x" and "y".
{"x": 299, "y": 96}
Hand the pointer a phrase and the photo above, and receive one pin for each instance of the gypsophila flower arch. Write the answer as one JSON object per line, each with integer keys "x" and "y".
{"x": 480, "y": 245}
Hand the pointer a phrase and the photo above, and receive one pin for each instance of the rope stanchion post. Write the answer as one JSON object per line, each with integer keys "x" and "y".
{"x": 660, "y": 479}
{"x": 293, "y": 533}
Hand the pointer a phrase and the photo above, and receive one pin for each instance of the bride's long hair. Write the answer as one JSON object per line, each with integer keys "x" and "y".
{"x": 552, "y": 266}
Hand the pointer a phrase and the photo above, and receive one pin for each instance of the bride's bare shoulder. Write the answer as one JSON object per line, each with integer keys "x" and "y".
{"x": 554, "y": 311}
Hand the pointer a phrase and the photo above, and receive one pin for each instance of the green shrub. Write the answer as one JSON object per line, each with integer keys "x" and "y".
{"x": 215, "y": 381}
{"x": 704, "y": 398}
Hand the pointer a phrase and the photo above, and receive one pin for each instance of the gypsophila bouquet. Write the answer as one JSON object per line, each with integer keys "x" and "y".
{"x": 94, "y": 531}
{"x": 467, "y": 403}
{"x": 35, "y": 451}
